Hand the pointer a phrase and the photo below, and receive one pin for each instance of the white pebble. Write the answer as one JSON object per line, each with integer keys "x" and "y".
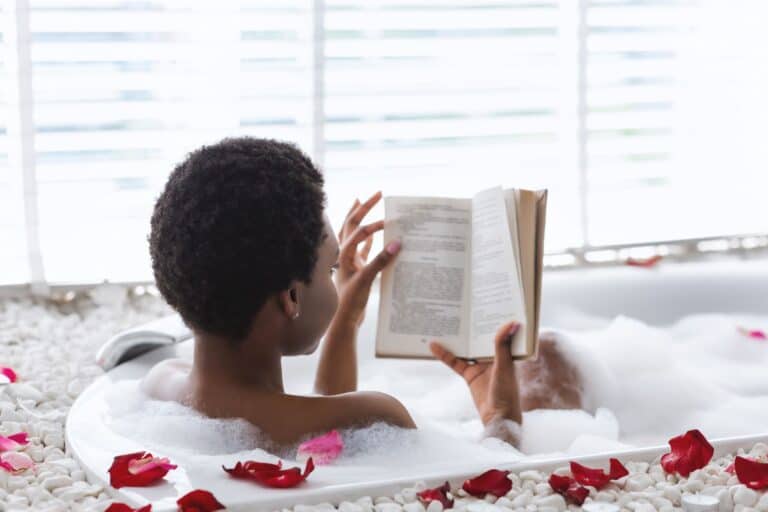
{"x": 638, "y": 482}
{"x": 554, "y": 500}
{"x": 56, "y": 440}
{"x": 434, "y": 506}
{"x": 25, "y": 391}
{"x": 347, "y": 506}
{"x": 522, "y": 500}
{"x": 673, "y": 494}
{"x": 745, "y": 496}
{"x": 413, "y": 507}
{"x": 536, "y": 476}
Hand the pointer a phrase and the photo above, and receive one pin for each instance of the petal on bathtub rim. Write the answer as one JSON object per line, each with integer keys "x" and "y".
{"x": 123, "y": 474}
{"x": 689, "y": 452}
{"x": 122, "y": 507}
{"x": 199, "y": 500}
{"x": 271, "y": 475}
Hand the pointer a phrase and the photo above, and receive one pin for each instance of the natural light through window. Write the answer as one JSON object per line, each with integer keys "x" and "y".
{"x": 645, "y": 119}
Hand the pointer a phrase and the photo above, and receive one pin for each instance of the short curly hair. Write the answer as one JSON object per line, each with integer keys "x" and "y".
{"x": 237, "y": 221}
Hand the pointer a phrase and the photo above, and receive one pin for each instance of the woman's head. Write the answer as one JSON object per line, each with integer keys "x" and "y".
{"x": 239, "y": 229}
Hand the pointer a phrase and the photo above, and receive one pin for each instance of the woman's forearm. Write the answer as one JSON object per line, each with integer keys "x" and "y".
{"x": 337, "y": 369}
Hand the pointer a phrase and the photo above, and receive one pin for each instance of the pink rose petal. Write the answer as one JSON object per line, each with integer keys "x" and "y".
{"x": 137, "y": 466}
{"x": 9, "y": 373}
{"x": 13, "y": 442}
{"x": 755, "y": 334}
{"x": 323, "y": 449}
{"x": 15, "y": 462}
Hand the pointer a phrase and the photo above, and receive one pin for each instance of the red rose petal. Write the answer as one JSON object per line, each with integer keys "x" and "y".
{"x": 271, "y": 475}
{"x": 437, "y": 494}
{"x": 199, "y": 501}
{"x": 598, "y": 478}
{"x": 122, "y": 507}
{"x": 493, "y": 481}
{"x": 690, "y": 451}
{"x": 138, "y": 469}
{"x": 755, "y": 334}
{"x": 644, "y": 262}
{"x": 751, "y": 473}
{"x": 9, "y": 373}
{"x": 568, "y": 488}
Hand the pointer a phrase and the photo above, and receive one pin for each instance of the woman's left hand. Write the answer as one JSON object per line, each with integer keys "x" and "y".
{"x": 355, "y": 274}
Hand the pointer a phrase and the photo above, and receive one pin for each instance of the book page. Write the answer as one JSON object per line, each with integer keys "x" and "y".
{"x": 497, "y": 295}
{"x": 425, "y": 293}
{"x": 526, "y": 206}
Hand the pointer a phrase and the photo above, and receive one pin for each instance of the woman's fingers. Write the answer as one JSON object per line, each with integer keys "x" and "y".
{"x": 366, "y": 250}
{"x": 349, "y": 246}
{"x": 368, "y": 272}
{"x": 446, "y": 356}
{"x": 356, "y": 217}
{"x": 346, "y": 218}
{"x": 503, "y": 343}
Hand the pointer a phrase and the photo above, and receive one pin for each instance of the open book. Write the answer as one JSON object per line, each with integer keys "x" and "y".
{"x": 466, "y": 267}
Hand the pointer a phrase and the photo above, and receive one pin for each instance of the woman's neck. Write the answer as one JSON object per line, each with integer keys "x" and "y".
{"x": 220, "y": 364}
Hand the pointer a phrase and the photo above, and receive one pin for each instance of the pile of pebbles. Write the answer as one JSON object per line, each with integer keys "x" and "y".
{"x": 51, "y": 345}
{"x": 647, "y": 488}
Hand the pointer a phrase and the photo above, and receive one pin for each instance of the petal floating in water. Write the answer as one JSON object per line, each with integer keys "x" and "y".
{"x": 323, "y": 449}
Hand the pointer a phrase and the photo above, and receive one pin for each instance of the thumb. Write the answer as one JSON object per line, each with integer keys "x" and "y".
{"x": 381, "y": 260}
{"x": 503, "y": 343}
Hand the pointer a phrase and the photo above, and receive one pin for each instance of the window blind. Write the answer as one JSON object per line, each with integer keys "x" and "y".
{"x": 124, "y": 89}
{"x": 13, "y": 254}
{"x": 676, "y": 105}
{"x": 644, "y": 118}
{"x": 446, "y": 98}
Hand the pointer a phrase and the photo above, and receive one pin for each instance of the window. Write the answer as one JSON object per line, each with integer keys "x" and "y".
{"x": 644, "y": 118}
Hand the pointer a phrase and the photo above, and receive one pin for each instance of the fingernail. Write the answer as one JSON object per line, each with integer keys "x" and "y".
{"x": 393, "y": 247}
{"x": 513, "y": 328}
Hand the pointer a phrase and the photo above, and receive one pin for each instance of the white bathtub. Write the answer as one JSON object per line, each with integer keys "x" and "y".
{"x": 570, "y": 300}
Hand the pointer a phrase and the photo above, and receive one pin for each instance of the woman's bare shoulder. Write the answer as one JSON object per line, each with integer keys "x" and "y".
{"x": 355, "y": 409}
{"x": 167, "y": 380}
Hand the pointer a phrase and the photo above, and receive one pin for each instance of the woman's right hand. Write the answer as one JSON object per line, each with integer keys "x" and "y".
{"x": 356, "y": 274}
{"x": 493, "y": 384}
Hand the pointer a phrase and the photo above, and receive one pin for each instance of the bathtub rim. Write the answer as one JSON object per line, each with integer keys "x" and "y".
{"x": 177, "y": 482}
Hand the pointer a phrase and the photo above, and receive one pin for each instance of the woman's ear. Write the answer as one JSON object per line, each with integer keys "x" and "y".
{"x": 289, "y": 301}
